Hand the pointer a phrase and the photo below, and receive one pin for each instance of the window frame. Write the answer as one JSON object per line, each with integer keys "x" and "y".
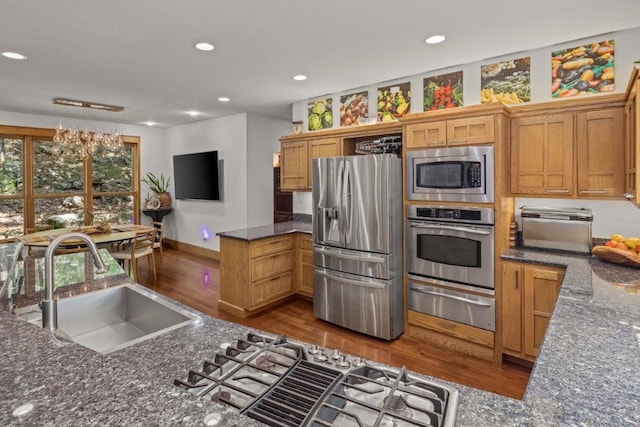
{"x": 28, "y": 197}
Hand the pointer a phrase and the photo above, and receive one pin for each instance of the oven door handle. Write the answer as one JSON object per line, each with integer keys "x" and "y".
{"x": 469, "y": 301}
{"x": 448, "y": 227}
{"x": 350, "y": 281}
{"x": 367, "y": 258}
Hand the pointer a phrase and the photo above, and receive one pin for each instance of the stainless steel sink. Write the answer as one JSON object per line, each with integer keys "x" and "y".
{"x": 115, "y": 318}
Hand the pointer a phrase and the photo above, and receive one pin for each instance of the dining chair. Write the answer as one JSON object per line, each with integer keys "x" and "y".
{"x": 140, "y": 246}
{"x": 157, "y": 244}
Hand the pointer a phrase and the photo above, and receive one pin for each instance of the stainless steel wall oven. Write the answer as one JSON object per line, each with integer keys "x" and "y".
{"x": 451, "y": 249}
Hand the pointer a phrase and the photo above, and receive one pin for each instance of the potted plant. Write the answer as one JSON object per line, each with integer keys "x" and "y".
{"x": 160, "y": 186}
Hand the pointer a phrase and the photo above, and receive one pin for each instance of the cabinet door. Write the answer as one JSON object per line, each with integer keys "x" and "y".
{"x": 294, "y": 165}
{"x": 512, "y": 307}
{"x": 542, "y": 155}
{"x": 631, "y": 145}
{"x": 470, "y": 131}
{"x": 541, "y": 288}
{"x": 600, "y": 150}
{"x": 425, "y": 135}
{"x": 305, "y": 272}
{"x": 323, "y": 147}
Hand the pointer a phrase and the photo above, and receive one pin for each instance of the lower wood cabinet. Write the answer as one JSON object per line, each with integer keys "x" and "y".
{"x": 304, "y": 265}
{"x": 255, "y": 274}
{"x": 529, "y": 294}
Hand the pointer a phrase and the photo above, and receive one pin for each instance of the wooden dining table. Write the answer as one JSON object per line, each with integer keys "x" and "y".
{"x": 117, "y": 233}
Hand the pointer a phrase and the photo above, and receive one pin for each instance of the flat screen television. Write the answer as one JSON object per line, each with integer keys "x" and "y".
{"x": 196, "y": 176}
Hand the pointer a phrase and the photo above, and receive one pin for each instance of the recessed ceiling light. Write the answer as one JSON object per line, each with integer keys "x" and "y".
{"x": 193, "y": 113}
{"x": 224, "y": 99}
{"x": 435, "y": 39}
{"x": 299, "y": 77}
{"x": 150, "y": 123}
{"x": 13, "y": 55}
{"x": 204, "y": 46}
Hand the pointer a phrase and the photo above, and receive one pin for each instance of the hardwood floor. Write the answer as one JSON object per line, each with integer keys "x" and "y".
{"x": 194, "y": 281}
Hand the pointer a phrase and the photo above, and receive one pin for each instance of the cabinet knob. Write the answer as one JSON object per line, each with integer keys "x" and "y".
{"x": 629, "y": 196}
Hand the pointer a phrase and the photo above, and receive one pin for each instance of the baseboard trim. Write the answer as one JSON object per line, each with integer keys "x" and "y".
{"x": 192, "y": 249}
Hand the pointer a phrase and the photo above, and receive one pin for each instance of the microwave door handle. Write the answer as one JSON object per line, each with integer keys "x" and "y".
{"x": 448, "y": 227}
{"x": 351, "y": 281}
{"x": 367, "y": 258}
{"x": 466, "y": 300}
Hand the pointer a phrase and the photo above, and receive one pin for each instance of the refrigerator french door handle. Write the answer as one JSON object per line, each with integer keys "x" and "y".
{"x": 347, "y": 197}
{"x": 340, "y": 208}
{"x": 468, "y": 301}
{"x": 350, "y": 281}
{"x": 367, "y": 258}
{"x": 448, "y": 227}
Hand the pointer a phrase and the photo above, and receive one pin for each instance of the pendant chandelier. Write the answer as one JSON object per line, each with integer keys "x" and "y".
{"x": 104, "y": 133}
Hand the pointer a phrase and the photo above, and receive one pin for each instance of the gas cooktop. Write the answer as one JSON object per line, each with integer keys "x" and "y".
{"x": 287, "y": 383}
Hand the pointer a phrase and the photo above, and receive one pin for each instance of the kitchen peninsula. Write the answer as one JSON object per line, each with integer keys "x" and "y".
{"x": 586, "y": 372}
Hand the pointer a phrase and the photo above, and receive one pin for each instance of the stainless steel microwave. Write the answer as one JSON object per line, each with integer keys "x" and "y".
{"x": 456, "y": 174}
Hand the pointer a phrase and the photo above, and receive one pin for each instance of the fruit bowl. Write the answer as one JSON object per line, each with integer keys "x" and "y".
{"x": 617, "y": 256}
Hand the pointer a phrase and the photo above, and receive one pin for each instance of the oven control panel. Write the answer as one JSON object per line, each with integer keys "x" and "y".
{"x": 452, "y": 214}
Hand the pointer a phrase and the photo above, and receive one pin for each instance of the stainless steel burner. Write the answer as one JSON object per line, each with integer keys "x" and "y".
{"x": 394, "y": 403}
{"x": 280, "y": 382}
{"x": 266, "y": 361}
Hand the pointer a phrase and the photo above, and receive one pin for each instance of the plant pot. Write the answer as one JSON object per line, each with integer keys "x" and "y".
{"x": 165, "y": 199}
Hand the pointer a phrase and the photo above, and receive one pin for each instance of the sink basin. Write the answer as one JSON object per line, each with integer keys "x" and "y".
{"x": 114, "y": 318}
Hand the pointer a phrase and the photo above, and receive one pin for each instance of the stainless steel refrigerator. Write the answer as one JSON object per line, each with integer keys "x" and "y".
{"x": 357, "y": 236}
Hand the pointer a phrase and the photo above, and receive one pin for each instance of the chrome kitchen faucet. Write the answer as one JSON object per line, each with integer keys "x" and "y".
{"x": 49, "y": 305}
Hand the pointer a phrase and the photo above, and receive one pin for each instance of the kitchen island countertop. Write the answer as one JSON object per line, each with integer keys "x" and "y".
{"x": 271, "y": 230}
{"x": 586, "y": 374}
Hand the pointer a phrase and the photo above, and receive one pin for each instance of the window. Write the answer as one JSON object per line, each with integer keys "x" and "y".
{"x": 11, "y": 187}
{"x": 42, "y": 184}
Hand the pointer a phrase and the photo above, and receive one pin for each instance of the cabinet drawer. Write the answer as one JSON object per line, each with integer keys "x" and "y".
{"x": 305, "y": 243}
{"x": 270, "y": 245}
{"x": 270, "y": 290}
{"x": 269, "y": 265}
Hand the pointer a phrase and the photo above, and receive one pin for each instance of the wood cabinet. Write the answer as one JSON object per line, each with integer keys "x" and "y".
{"x": 304, "y": 265}
{"x": 529, "y": 294}
{"x": 561, "y": 153}
{"x": 294, "y": 165}
{"x": 255, "y": 274}
{"x": 463, "y": 131}
{"x": 542, "y": 154}
{"x": 632, "y": 137}
{"x": 600, "y": 152}
{"x": 322, "y": 147}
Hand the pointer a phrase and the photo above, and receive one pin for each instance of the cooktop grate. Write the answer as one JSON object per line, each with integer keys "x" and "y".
{"x": 291, "y": 401}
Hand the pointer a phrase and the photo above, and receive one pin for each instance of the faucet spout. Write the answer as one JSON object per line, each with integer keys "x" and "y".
{"x": 49, "y": 304}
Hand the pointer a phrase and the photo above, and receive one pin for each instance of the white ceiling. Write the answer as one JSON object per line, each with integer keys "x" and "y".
{"x": 139, "y": 53}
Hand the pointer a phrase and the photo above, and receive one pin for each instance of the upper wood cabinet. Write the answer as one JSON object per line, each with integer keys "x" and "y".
{"x": 600, "y": 152}
{"x": 323, "y": 147}
{"x": 561, "y": 153}
{"x": 297, "y": 151}
{"x": 632, "y": 137}
{"x": 542, "y": 154}
{"x": 528, "y": 298}
{"x": 294, "y": 165}
{"x": 463, "y": 131}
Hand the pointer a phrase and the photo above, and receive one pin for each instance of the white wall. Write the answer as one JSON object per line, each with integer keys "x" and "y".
{"x": 262, "y": 141}
{"x": 627, "y": 51}
{"x": 245, "y": 144}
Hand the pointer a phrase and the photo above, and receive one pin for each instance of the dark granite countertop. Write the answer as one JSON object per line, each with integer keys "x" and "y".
{"x": 271, "y": 230}
{"x": 586, "y": 374}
